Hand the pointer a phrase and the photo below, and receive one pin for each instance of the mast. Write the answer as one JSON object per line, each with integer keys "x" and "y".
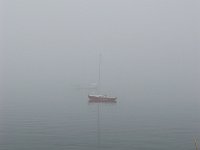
{"x": 99, "y": 82}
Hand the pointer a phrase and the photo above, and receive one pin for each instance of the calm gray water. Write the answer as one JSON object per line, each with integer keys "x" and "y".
{"x": 62, "y": 119}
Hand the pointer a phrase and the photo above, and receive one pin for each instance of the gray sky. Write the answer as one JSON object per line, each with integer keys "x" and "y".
{"x": 143, "y": 42}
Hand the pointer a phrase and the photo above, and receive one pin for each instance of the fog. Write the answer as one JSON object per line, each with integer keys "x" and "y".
{"x": 145, "y": 44}
{"x": 150, "y": 50}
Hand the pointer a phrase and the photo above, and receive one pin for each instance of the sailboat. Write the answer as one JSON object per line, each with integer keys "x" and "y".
{"x": 101, "y": 97}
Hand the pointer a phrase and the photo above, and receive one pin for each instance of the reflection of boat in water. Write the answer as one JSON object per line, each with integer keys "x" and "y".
{"x": 101, "y": 97}
{"x": 99, "y": 109}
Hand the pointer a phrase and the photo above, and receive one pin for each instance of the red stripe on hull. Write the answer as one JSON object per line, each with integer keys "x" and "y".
{"x": 102, "y": 99}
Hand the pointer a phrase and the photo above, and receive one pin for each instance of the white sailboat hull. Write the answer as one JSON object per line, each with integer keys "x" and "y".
{"x": 101, "y": 98}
